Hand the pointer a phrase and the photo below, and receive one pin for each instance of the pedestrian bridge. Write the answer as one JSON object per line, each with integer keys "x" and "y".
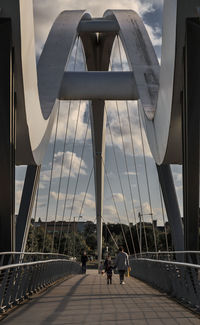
{"x": 99, "y": 91}
{"x": 87, "y": 299}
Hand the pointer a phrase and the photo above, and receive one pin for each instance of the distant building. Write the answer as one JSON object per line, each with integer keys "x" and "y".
{"x": 66, "y": 226}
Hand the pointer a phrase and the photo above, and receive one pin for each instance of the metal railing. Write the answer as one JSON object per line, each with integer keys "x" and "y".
{"x": 25, "y": 257}
{"x": 18, "y": 281}
{"x": 192, "y": 257}
{"x": 180, "y": 280}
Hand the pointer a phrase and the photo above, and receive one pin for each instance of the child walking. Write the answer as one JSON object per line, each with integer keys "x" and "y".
{"x": 109, "y": 270}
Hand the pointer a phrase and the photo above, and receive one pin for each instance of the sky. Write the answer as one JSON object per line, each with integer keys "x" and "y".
{"x": 126, "y": 194}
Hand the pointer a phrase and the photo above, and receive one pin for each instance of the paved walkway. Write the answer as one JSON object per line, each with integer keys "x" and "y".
{"x": 87, "y": 299}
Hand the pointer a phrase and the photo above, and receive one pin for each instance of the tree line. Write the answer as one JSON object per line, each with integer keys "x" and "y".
{"x": 75, "y": 242}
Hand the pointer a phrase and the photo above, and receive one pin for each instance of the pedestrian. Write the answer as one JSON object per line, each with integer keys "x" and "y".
{"x": 108, "y": 258}
{"x": 122, "y": 264}
{"x": 84, "y": 260}
{"x": 109, "y": 270}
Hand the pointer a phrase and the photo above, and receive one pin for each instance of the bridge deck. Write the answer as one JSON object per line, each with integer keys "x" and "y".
{"x": 87, "y": 299}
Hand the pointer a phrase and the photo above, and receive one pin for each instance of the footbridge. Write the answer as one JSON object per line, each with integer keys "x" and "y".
{"x": 97, "y": 95}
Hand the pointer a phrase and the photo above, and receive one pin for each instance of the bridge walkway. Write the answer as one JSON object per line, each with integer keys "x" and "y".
{"x": 87, "y": 299}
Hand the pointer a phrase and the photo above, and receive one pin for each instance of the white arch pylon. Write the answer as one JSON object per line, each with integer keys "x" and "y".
{"x": 38, "y": 89}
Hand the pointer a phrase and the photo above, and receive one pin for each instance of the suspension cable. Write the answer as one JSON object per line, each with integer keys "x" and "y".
{"x": 147, "y": 179}
{"x": 61, "y": 173}
{"x": 110, "y": 233}
{"x": 84, "y": 198}
{"x": 120, "y": 181}
{"x": 163, "y": 216}
{"x": 83, "y": 202}
{"x": 81, "y": 160}
{"x": 34, "y": 218}
{"x": 135, "y": 165}
{"x": 51, "y": 174}
{"x": 71, "y": 160}
{"x": 66, "y": 194}
{"x": 126, "y": 164}
{"x": 115, "y": 205}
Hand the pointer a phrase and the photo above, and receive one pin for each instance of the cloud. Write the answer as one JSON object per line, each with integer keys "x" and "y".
{"x": 118, "y": 197}
{"x": 113, "y": 127}
{"x": 70, "y": 160}
{"x": 78, "y": 111}
{"x": 46, "y": 11}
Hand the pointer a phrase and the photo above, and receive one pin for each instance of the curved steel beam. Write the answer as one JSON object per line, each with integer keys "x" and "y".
{"x": 160, "y": 92}
{"x": 37, "y": 89}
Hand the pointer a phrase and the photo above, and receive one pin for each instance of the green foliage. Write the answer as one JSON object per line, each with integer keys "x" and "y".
{"x": 74, "y": 243}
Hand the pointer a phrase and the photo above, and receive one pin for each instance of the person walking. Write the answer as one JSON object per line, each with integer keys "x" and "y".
{"x": 109, "y": 270}
{"x": 122, "y": 264}
{"x": 84, "y": 260}
{"x": 108, "y": 258}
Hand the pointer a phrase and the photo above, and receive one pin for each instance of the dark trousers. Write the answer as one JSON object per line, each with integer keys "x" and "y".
{"x": 109, "y": 278}
{"x": 83, "y": 268}
{"x": 121, "y": 275}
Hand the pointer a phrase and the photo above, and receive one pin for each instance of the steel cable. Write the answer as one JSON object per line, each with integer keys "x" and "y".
{"x": 120, "y": 181}
{"x": 123, "y": 233}
{"x": 147, "y": 179}
{"x": 51, "y": 174}
{"x": 135, "y": 165}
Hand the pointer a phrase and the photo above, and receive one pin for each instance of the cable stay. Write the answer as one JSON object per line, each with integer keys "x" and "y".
{"x": 34, "y": 218}
{"x": 61, "y": 174}
{"x": 135, "y": 164}
{"x": 120, "y": 182}
{"x": 114, "y": 241}
{"x": 116, "y": 207}
{"x": 51, "y": 174}
{"x": 147, "y": 179}
{"x": 163, "y": 216}
{"x": 77, "y": 179}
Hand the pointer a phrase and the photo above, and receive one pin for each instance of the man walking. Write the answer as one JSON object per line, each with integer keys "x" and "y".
{"x": 122, "y": 264}
{"x": 84, "y": 260}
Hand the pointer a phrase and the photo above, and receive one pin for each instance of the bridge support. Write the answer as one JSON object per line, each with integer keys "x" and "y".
{"x": 98, "y": 123}
{"x": 191, "y": 143}
{"x": 26, "y": 206}
{"x": 7, "y": 140}
{"x": 171, "y": 205}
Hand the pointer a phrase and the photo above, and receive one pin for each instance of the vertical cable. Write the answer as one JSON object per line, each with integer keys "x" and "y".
{"x": 35, "y": 212}
{"x": 50, "y": 183}
{"x": 60, "y": 178}
{"x": 135, "y": 165}
{"x": 115, "y": 205}
{"x": 147, "y": 179}
{"x": 120, "y": 181}
{"x": 163, "y": 216}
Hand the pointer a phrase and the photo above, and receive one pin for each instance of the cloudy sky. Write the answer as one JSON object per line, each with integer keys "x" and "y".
{"x": 126, "y": 193}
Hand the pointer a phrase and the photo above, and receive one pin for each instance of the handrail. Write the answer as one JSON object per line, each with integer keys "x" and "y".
{"x": 12, "y": 266}
{"x": 18, "y": 281}
{"x": 32, "y": 253}
{"x": 179, "y": 279}
{"x": 169, "y": 262}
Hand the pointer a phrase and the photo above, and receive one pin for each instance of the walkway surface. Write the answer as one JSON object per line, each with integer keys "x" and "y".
{"x": 87, "y": 299}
